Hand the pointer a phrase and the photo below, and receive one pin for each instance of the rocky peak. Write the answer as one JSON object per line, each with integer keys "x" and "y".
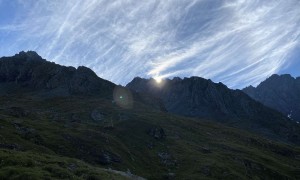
{"x": 249, "y": 90}
{"x": 86, "y": 70}
{"x": 277, "y": 81}
{"x": 282, "y": 76}
{"x": 280, "y": 92}
{"x": 176, "y": 79}
{"x": 29, "y": 55}
{"x": 28, "y": 69}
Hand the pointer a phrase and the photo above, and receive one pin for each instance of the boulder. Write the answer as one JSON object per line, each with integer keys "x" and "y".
{"x": 107, "y": 158}
{"x": 96, "y": 115}
{"x": 157, "y": 133}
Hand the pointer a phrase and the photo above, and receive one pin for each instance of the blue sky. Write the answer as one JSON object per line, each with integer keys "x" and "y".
{"x": 237, "y": 42}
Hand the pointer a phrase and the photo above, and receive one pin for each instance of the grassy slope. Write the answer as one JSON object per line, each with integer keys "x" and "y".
{"x": 62, "y": 127}
{"x": 29, "y": 165}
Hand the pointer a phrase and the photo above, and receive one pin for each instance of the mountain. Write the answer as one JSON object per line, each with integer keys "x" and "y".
{"x": 280, "y": 92}
{"x": 28, "y": 72}
{"x": 198, "y": 97}
{"x": 84, "y": 131}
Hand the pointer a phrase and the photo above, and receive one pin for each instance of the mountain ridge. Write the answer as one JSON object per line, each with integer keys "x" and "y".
{"x": 201, "y": 98}
{"x": 280, "y": 92}
{"x": 28, "y": 69}
{"x": 29, "y": 72}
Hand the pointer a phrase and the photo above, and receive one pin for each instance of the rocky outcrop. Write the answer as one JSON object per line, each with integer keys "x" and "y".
{"x": 157, "y": 133}
{"x": 167, "y": 159}
{"x": 107, "y": 158}
{"x": 97, "y": 116}
{"x": 280, "y": 92}
{"x": 15, "y": 147}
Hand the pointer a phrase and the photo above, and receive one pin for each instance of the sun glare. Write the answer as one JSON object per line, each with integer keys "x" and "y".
{"x": 158, "y": 79}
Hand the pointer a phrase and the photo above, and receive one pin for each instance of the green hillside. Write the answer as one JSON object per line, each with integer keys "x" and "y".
{"x": 81, "y": 136}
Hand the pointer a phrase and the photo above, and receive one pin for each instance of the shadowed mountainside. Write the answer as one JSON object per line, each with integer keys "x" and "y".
{"x": 198, "y": 97}
{"x": 280, "y": 92}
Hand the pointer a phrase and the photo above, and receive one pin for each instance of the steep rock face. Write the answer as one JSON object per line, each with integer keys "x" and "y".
{"x": 198, "y": 97}
{"x": 280, "y": 92}
{"x": 28, "y": 69}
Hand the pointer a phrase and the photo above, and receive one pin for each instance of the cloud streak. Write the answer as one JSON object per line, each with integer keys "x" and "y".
{"x": 238, "y": 42}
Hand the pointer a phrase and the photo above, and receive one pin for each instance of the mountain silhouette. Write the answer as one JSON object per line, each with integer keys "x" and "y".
{"x": 201, "y": 98}
{"x": 29, "y": 70}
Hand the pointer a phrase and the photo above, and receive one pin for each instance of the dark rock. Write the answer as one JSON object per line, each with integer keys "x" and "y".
{"x": 75, "y": 118}
{"x": 29, "y": 55}
{"x": 72, "y": 167}
{"x": 157, "y": 133}
{"x": 166, "y": 159}
{"x": 169, "y": 176}
{"x": 11, "y": 146}
{"x": 205, "y": 150}
{"x": 96, "y": 115}
{"x": 107, "y": 158}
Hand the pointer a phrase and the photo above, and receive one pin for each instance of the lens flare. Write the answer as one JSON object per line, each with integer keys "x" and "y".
{"x": 123, "y": 97}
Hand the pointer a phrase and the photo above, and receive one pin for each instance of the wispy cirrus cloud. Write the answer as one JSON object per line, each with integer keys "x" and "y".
{"x": 237, "y": 42}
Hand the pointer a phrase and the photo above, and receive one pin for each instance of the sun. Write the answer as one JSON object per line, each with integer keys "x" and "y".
{"x": 158, "y": 79}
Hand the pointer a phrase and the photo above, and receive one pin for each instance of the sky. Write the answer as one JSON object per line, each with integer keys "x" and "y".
{"x": 237, "y": 42}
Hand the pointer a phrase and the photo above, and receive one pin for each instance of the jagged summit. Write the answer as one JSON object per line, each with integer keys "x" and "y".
{"x": 275, "y": 78}
{"x": 29, "y": 55}
{"x": 28, "y": 69}
{"x": 281, "y": 76}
